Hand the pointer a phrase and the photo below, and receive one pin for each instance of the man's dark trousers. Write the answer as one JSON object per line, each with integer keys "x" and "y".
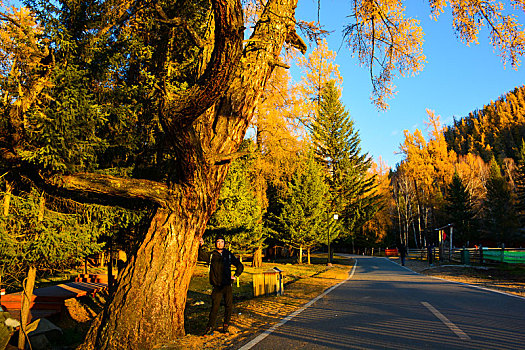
{"x": 217, "y": 294}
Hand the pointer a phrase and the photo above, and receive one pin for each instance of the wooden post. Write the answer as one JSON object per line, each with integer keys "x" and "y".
{"x": 27, "y": 297}
{"x": 28, "y": 286}
{"x": 110, "y": 273}
{"x": 102, "y": 259}
{"x": 450, "y": 244}
{"x": 7, "y": 201}
{"x": 257, "y": 257}
{"x": 440, "y": 233}
{"x": 481, "y": 254}
{"x": 7, "y": 198}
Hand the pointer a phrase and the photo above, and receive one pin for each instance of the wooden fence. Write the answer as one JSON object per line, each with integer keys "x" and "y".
{"x": 474, "y": 256}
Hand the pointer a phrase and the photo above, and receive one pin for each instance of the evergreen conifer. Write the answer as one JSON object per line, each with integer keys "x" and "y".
{"x": 337, "y": 146}
{"x": 239, "y": 214}
{"x": 519, "y": 181}
{"x": 500, "y": 217}
{"x": 460, "y": 211}
{"x": 304, "y": 207}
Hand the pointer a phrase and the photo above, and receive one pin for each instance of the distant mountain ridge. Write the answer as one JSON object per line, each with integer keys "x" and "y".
{"x": 495, "y": 130}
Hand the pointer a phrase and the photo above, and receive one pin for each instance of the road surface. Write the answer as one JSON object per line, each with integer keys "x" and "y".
{"x": 385, "y": 306}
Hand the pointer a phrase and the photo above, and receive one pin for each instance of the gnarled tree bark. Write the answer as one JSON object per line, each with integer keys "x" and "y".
{"x": 148, "y": 305}
{"x": 205, "y": 125}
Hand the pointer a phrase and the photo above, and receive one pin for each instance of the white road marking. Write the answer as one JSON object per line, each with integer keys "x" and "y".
{"x": 446, "y": 321}
{"x": 272, "y": 329}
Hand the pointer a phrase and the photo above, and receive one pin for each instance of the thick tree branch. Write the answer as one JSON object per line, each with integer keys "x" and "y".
{"x": 220, "y": 159}
{"x": 295, "y": 40}
{"x": 113, "y": 187}
{"x": 232, "y": 114}
{"x": 92, "y": 187}
{"x": 181, "y": 110}
{"x": 278, "y": 63}
{"x": 180, "y": 22}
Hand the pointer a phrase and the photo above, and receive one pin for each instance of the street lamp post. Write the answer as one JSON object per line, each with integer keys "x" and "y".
{"x": 329, "y": 251}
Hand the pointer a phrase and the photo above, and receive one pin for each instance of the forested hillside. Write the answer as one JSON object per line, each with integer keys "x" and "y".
{"x": 470, "y": 176}
{"x": 495, "y": 130}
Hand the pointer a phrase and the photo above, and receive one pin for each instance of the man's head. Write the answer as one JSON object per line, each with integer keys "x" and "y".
{"x": 219, "y": 242}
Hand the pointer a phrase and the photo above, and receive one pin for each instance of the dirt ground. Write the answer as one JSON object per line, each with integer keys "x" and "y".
{"x": 508, "y": 278}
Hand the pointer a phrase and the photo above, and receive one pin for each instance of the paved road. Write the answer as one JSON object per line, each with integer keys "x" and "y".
{"x": 385, "y": 306}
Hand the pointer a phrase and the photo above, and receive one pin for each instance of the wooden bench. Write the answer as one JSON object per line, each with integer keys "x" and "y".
{"x": 391, "y": 252}
{"x": 49, "y": 301}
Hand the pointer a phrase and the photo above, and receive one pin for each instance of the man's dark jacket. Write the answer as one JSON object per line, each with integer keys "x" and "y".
{"x": 220, "y": 266}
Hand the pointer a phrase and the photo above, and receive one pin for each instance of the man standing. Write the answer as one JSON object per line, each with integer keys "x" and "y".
{"x": 220, "y": 261}
{"x": 402, "y": 253}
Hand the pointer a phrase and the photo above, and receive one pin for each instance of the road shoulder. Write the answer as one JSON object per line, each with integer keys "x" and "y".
{"x": 485, "y": 277}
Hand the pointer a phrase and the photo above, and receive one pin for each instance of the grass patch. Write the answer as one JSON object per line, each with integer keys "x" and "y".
{"x": 512, "y": 270}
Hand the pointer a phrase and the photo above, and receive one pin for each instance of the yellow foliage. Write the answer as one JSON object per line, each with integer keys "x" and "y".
{"x": 279, "y": 135}
{"x": 318, "y": 69}
{"x": 474, "y": 173}
{"x": 382, "y": 220}
{"x": 384, "y": 39}
{"x": 25, "y": 59}
{"x": 506, "y": 34}
{"x": 389, "y": 43}
{"x": 430, "y": 164}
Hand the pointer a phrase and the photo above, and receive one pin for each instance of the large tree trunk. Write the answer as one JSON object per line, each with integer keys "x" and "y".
{"x": 148, "y": 304}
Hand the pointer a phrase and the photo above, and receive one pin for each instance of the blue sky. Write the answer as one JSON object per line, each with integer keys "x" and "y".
{"x": 456, "y": 79}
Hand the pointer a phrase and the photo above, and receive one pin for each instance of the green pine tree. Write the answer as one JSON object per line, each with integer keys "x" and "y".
{"x": 519, "y": 181}
{"x": 460, "y": 211}
{"x": 239, "y": 214}
{"x": 500, "y": 217}
{"x": 337, "y": 146}
{"x": 301, "y": 222}
{"x": 32, "y": 235}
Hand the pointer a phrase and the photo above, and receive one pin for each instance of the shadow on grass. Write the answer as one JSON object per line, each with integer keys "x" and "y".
{"x": 76, "y": 319}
